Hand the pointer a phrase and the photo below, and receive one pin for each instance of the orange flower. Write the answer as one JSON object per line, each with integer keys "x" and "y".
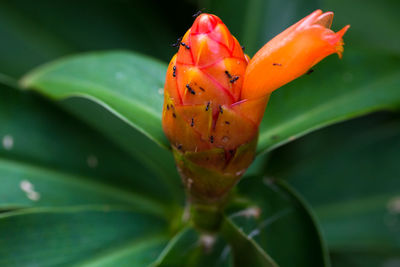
{"x": 292, "y": 53}
{"x": 215, "y": 97}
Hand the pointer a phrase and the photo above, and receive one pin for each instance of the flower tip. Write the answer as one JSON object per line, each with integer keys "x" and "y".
{"x": 310, "y": 19}
{"x": 325, "y": 19}
{"x": 343, "y": 31}
{"x": 338, "y": 41}
{"x": 205, "y": 23}
{"x": 314, "y": 15}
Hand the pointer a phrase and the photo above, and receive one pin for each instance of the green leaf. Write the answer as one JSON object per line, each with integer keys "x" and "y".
{"x": 128, "y": 85}
{"x": 280, "y": 222}
{"x": 85, "y": 236}
{"x": 25, "y": 185}
{"x": 190, "y": 248}
{"x": 349, "y": 173}
{"x": 187, "y": 249}
{"x": 48, "y": 158}
{"x": 366, "y": 259}
{"x": 120, "y": 94}
{"x": 246, "y": 252}
{"x": 142, "y": 149}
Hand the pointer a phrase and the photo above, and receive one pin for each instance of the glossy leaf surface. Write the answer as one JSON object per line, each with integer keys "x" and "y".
{"x": 280, "y": 222}
{"x": 231, "y": 248}
{"x": 85, "y": 236}
{"x": 45, "y": 150}
{"x": 128, "y": 85}
{"x": 187, "y": 249}
{"x": 352, "y": 183}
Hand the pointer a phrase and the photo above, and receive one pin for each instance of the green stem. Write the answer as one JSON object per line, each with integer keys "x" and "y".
{"x": 207, "y": 217}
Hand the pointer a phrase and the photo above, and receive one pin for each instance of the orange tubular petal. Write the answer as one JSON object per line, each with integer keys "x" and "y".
{"x": 291, "y": 53}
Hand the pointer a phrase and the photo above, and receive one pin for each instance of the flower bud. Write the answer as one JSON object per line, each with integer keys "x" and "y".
{"x": 215, "y": 96}
{"x": 213, "y": 142}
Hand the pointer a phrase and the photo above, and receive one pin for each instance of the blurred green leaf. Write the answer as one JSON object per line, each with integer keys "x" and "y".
{"x": 27, "y": 185}
{"x": 85, "y": 236}
{"x": 128, "y": 85}
{"x": 142, "y": 149}
{"x": 65, "y": 161}
{"x": 246, "y": 252}
{"x": 187, "y": 249}
{"x": 191, "y": 248}
{"x": 350, "y": 175}
{"x": 280, "y": 222}
{"x": 366, "y": 259}
{"x": 119, "y": 93}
